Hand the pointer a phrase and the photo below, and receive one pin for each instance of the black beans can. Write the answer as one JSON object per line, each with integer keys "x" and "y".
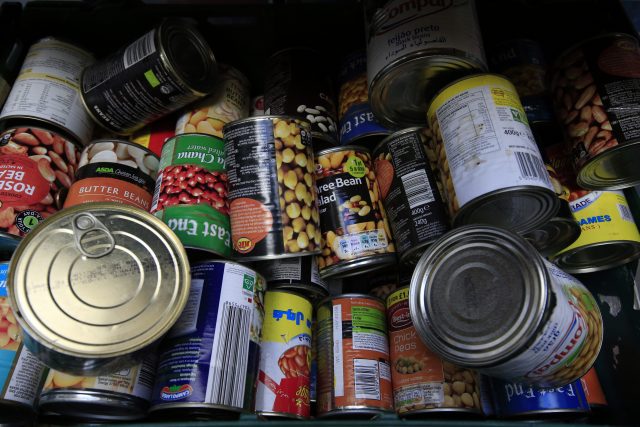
{"x": 164, "y": 70}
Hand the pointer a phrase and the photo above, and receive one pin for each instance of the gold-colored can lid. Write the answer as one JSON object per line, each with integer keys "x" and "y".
{"x": 96, "y": 283}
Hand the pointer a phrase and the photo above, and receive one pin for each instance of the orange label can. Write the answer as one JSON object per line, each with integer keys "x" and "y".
{"x": 593, "y": 390}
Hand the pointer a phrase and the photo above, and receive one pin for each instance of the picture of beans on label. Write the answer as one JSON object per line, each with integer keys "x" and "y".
{"x": 9, "y": 330}
{"x": 35, "y": 164}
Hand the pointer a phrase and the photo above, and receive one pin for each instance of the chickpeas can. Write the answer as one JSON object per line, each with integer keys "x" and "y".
{"x": 295, "y": 274}
{"x": 483, "y": 298}
{"x": 422, "y": 382}
{"x": 208, "y": 363}
{"x": 272, "y": 191}
{"x": 114, "y": 171}
{"x": 409, "y": 193}
{"x": 356, "y": 237}
{"x": 490, "y": 166}
{"x": 354, "y": 370}
{"x": 191, "y": 192}
{"x": 283, "y": 387}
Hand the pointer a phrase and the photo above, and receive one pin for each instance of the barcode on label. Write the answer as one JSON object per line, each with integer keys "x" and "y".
{"x": 146, "y": 377}
{"x": 416, "y": 187}
{"x": 232, "y": 352}
{"x": 156, "y": 193}
{"x": 625, "y": 213}
{"x": 532, "y": 167}
{"x": 366, "y": 379}
{"x": 139, "y": 49}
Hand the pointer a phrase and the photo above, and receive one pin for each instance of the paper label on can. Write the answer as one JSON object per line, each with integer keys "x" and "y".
{"x": 593, "y": 389}
{"x": 292, "y": 270}
{"x": 21, "y": 182}
{"x": 21, "y": 376}
{"x": 154, "y": 135}
{"x": 512, "y": 399}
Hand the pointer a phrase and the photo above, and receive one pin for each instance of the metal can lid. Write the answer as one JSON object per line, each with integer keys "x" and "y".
{"x": 613, "y": 169}
{"x": 557, "y": 234}
{"x": 478, "y": 295}
{"x": 598, "y": 256}
{"x": 98, "y": 280}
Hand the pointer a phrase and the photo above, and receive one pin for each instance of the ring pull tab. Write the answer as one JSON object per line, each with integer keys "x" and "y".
{"x": 92, "y": 238}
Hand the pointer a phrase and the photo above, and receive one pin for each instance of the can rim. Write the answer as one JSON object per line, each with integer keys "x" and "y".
{"x": 350, "y": 295}
{"x": 632, "y": 246}
{"x": 290, "y": 292}
{"x": 67, "y": 399}
{"x": 274, "y": 256}
{"x": 396, "y": 134}
{"x": 269, "y": 117}
{"x": 42, "y": 124}
{"x": 593, "y": 164}
{"x": 357, "y": 148}
{"x": 357, "y": 266}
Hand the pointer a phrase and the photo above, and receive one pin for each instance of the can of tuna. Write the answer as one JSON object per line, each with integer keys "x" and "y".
{"x": 356, "y": 237}
{"x": 283, "y": 387}
{"x": 191, "y": 192}
{"x": 357, "y": 123}
{"x": 298, "y": 84}
{"x": 422, "y": 382}
{"x": 488, "y": 160}
{"x": 543, "y": 329}
{"x": 413, "y": 50}
{"x": 164, "y": 70}
{"x": 409, "y": 193}
{"x": 208, "y": 363}
{"x": 36, "y": 164}
{"x": 596, "y": 96}
{"x": 295, "y": 274}
{"x": 518, "y": 400}
{"x": 121, "y": 396}
{"x": 47, "y": 90}
{"x": 154, "y": 135}
{"x": 257, "y": 106}
{"x": 272, "y": 191}
{"x": 228, "y": 102}
{"x": 114, "y": 171}
{"x": 593, "y": 390}
{"x": 21, "y": 373}
{"x": 99, "y": 265}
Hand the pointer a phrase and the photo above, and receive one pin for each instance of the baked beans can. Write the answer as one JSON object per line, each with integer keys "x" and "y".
{"x": 257, "y": 106}
{"x": 208, "y": 363}
{"x": 272, "y": 192}
{"x": 356, "y": 236}
{"x": 357, "y": 123}
{"x": 354, "y": 369}
{"x": 543, "y": 329}
{"x": 422, "y": 382}
{"x": 162, "y": 71}
{"x": 283, "y": 387}
{"x": 594, "y": 87}
{"x": 114, "y": 171}
{"x": 122, "y": 267}
{"x": 490, "y": 166}
{"x": 406, "y": 38}
{"x": 295, "y": 274}
{"x": 409, "y": 192}
{"x": 228, "y": 102}
{"x": 36, "y": 164}
{"x": 47, "y": 89}
{"x": 120, "y": 396}
{"x": 593, "y": 390}
{"x": 154, "y": 135}
{"x": 191, "y": 192}
{"x": 298, "y": 84}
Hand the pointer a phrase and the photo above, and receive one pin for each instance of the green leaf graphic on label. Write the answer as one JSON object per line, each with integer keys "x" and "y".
{"x": 247, "y": 282}
{"x": 518, "y": 116}
{"x": 355, "y": 166}
{"x": 151, "y": 78}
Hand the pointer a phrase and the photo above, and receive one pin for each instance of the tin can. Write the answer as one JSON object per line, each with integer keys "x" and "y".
{"x": 378, "y": 283}
{"x": 154, "y": 135}
{"x": 228, "y": 102}
{"x": 356, "y": 237}
{"x": 295, "y": 274}
{"x": 47, "y": 89}
{"x": 283, "y": 387}
{"x": 272, "y": 191}
{"x": 357, "y": 123}
{"x": 297, "y": 84}
{"x": 354, "y": 370}
{"x": 191, "y": 192}
{"x": 208, "y": 363}
{"x": 594, "y": 87}
{"x": 406, "y": 38}
{"x": 162, "y": 71}
{"x": 120, "y": 396}
{"x": 593, "y": 390}
{"x": 488, "y": 160}
{"x": 123, "y": 267}
{"x": 35, "y": 165}
{"x": 257, "y": 106}
{"x": 114, "y": 171}
{"x": 517, "y": 400}
{"x": 422, "y": 382}
{"x": 409, "y": 193}
{"x": 544, "y": 329}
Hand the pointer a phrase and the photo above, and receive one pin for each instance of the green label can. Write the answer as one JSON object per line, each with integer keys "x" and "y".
{"x": 191, "y": 192}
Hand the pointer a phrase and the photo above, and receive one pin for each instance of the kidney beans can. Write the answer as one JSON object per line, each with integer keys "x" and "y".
{"x": 354, "y": 370}
{"x": 35, "y": 165}
{"x": 295, "y": 274}
{"x": 491, "y": 169}
{"x": 422, "y": 382}
{"x": 593, "y": 390}
{"x": 47, "y": 90}
{"x": 283, "y": 388}
{"x": 162, "y": 71}
{"x": 154, "y": 135}
{"x": 406, "y": 38}
{"x": 191, "y": 192}
{"x": 208, "y": 363}
{"x": 543, "y": 329}
{"x": 272, "y": 190}
{"x": 356, "y": 237}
